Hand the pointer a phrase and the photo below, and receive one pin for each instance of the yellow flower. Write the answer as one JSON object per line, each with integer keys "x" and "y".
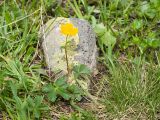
{"x": 68, "y": 29}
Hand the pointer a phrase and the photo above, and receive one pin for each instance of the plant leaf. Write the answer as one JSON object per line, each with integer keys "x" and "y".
{"x": 81, "y": 69}
{"x": 52, "y": 96}
{"x": 61, "y": 81}
{"x": 108, "y": 39}
{"x": 64, "y": 94}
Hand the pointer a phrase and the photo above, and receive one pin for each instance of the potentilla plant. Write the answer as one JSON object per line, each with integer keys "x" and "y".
{"x": 74, "y": 70}
{"x": 61, "y": 87}
{"x": 69, "y": 30}
{"x": 64, "y": 87}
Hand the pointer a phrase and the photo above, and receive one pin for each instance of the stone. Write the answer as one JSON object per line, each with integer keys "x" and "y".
{"x": 84, "y": 49}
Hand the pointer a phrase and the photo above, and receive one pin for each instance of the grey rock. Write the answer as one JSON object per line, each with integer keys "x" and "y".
{"x": 86, "y": 50}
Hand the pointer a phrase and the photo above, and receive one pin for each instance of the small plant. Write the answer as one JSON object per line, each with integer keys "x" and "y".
{"x": 68, "y": 30}
{"x": 151, "y": 41}
{"x": 106, "y": 42}
{"x": 66, "y": 87}
{"x": 60, "y": 88}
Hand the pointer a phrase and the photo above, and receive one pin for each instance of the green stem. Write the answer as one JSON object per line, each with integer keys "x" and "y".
{"x": 66, "y": 56}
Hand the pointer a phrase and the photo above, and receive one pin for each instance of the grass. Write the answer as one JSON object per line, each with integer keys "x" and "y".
{"x": 134, "y": 92}
{"x": 128, "y": 38}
